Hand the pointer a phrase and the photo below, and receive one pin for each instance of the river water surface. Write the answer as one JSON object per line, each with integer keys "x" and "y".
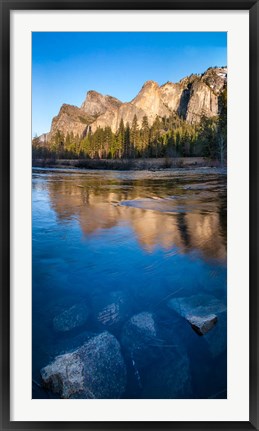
{"x": 125, "y": 243}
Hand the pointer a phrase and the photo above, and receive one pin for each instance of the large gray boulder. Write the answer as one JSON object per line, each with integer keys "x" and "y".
{"x": 65, "y": 375}
{"x": 95, "y": 370}
{"x": 201, "y": 311}
{"x": 71, "y": 318}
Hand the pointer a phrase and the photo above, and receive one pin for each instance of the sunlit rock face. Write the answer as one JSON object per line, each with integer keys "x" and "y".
{"x": 112, "y": 118}
{"x": 202, "y": 94}
{"x": 70, "y": 119}
{"x": 216, "y": 78}
{"x": 149, "y": 99}
{"x": 192, "y": 98}
{"x": 97, "y": 104}
{"x": 171, "y": 95}
{"x": 202, "y": 102}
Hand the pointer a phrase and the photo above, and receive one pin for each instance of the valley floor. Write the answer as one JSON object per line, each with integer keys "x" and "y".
{"x": 129, "y": 164}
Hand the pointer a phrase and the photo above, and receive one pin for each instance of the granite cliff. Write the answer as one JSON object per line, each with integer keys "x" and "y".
{"x": 192, "y": 98}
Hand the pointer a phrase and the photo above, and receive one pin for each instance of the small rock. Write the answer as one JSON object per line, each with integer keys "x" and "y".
{"x": 199, "y": 310}
{"x": 202, "y": 324}
{"x": 95, "y": 370}
{"x": 71, "y": 318}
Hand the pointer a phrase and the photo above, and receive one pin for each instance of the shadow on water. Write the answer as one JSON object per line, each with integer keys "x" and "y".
{"x": 125, "y": 243}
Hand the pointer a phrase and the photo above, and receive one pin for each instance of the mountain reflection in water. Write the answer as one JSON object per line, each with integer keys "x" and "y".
{"x": 163, "y": 212}
{"x": 146, "y": 237}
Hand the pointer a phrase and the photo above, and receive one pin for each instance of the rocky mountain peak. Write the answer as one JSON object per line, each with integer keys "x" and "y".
{"x": 215, "y": 78}
{"x": 67, "y": 109}
{"x": 149, "y": 102}
{"x": 97, "y": 104}
{"x": 70, "y": 119}
{"x": 189, "y": 80}
{"x": 150, "y": 83}
{"x": 93, "y": 93}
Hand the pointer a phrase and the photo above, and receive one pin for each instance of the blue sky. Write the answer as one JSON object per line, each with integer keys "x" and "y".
{"x": 67, "y": 65}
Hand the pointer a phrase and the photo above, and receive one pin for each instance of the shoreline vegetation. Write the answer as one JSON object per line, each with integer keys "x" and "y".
{"x": 129, "y": 164}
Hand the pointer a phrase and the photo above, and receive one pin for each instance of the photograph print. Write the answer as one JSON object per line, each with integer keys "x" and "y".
{"x": 129, "y": 215}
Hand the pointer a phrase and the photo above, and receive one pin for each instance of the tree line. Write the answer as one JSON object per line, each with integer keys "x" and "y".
{"x": 166, "y": 137}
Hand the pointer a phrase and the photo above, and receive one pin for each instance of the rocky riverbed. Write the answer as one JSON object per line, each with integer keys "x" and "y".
{"x": 148, "y": 353}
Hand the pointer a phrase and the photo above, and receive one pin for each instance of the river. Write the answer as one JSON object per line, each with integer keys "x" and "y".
{"x": 126, "y": 243}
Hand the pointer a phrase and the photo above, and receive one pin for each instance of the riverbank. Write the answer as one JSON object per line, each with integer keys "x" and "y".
{"x": 128, "y": 164}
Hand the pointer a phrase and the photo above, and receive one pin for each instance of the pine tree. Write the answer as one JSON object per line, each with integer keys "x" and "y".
{"x": 208, "y": 137}
{"x": 134, "y": 137}
{"x": 126, "y": 143}
{"x": 222, "y": 127}
{"x": 120, "y": 138}
{"x": 155, "y": 138}
{"x": 144, "y": 135}
{"x": 108, "y": 139}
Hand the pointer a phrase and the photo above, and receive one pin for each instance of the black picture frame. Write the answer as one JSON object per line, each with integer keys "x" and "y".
{"x": 6, "y": 6}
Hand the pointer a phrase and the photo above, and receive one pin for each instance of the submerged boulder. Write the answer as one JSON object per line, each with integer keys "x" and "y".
{"x": 158, "y": 354}
{"x": 111, "y": 309}
{"x": 65, "y": 375}
{"x": 155, "y": 347}
{"x": 71, "y": 318}
{"x": 139, "y": 339}
{"x": 144, "y": 323}
{"x": 201, "y": 311}
{"x": 95, "y": 370}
